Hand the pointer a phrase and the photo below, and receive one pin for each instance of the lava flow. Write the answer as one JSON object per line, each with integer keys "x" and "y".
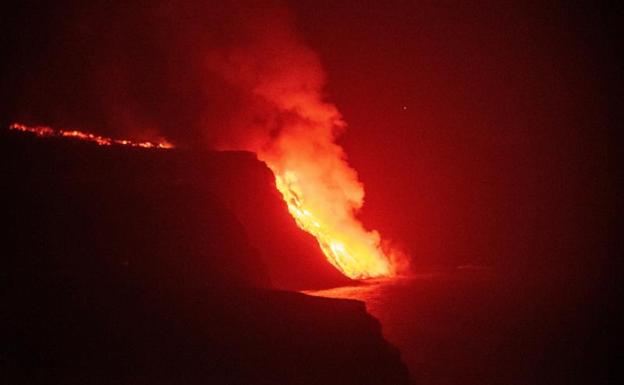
{"x": 44, "y": 131}
{"x": 351, "y": 249}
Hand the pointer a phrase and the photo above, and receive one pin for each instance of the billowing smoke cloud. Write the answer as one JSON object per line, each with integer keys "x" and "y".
{"x": 230, "y": 76}
{"x": 285, "y": 121}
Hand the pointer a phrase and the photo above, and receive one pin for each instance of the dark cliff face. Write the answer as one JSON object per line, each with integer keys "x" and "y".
{"x": 130, "y": 266}
{"x": 73, "y": 205}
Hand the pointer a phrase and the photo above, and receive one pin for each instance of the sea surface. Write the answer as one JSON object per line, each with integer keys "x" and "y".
{"x": 481, "y": 326}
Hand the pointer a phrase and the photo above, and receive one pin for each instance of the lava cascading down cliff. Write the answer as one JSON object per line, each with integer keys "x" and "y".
{"x": 293, "y": 130}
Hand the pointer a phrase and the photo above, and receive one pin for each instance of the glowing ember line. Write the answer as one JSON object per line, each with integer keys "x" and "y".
{"x": 44, "y": 131}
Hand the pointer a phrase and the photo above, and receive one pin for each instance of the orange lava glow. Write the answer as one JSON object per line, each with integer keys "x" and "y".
{"x": 346, "y": 244}
{"x": 45, "y": 131}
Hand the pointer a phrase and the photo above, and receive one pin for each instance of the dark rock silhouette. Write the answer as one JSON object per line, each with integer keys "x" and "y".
{"x": 132, "y": 266}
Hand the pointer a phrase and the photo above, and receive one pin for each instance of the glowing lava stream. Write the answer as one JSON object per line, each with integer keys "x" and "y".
{"x": 352, "y": 250}
{"x": 346, "y": 244}
{"x": 45, "y": 131}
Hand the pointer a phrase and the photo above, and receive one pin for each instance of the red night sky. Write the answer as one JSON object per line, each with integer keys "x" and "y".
{"x": 483, "y": 133}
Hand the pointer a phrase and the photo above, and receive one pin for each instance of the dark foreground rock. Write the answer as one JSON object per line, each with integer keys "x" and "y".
{"x": 80, "y": 330}
{"x": 119, "y": 267}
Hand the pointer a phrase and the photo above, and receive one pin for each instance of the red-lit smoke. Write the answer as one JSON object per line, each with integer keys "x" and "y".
{"x": 290, "y": 127}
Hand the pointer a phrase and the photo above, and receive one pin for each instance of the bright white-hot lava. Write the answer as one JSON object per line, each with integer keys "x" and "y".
{"x": 323, "y": 194}
{"x": 346, "y": 244}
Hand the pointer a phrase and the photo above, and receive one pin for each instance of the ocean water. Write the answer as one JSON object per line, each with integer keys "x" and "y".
{"x": 480, "y": 326}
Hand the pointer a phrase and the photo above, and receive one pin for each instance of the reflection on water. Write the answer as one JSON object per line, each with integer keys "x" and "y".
{"x": 476, "y": 326}
{"x": 387, "y": 299}
{"x": 369, "y": 291}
